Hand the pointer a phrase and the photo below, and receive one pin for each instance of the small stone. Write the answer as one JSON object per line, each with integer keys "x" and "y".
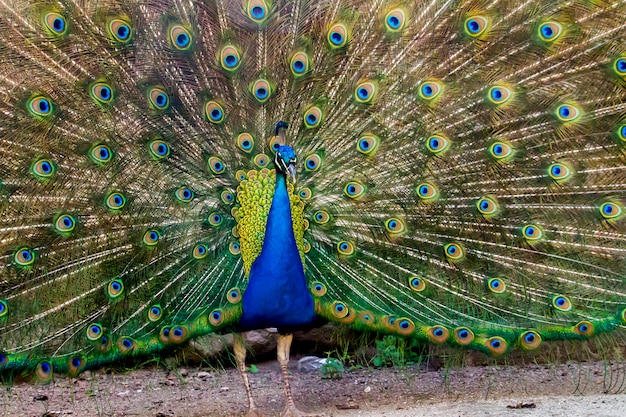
{"x": 367, "y": 389}
{"x": 224, "y": 389}
{"x": 203, "y": 374}
{"x": 123, "y": 393}
{"x": 183, "y": 372}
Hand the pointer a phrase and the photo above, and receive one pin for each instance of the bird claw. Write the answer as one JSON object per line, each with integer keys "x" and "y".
{"x": 294, "y": 412}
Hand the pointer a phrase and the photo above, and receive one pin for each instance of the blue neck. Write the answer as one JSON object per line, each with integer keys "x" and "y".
{"x": 277, "y": 294}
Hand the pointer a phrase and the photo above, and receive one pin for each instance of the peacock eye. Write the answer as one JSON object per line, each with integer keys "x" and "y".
{"x": 234, "y": 295}
{"x": 584, "y": 328}
{"x": 119, "y": 31}
{"x": 496, "y": 285}
{"x": 158, "y": 98}
{"x": 305, "y": 193}
{"x": 216, "y": 165}
{"x": 550, "y": 31}
{"x": 567, "y": 113}
{"x": 214, "y": 112}
{"x": 234, "y": 248}
{"x": 101, "y": 93}
{"x": 318, "y": 289}
{"x": 159, "y": 149}
{"x": 365, "y": 92}
{"x": 345, "y": 248}
{"x": 560, "y": 172}
{"x": 300, "y": 64}
{"x": 354, "y": 190}
{"x": 561, "y": 302}
{"x": 501, "y": 151}
{"x": 216, "y": 317}
{"x": 532, "y": 233}
{"x": 454, "y": 252}
{"x": 115, "y": 289}
{"x": 487, "y": 206}
{"x": 499, "y": 95}
{"x": 430, "y": 90}
{"x": 155, "y": 313}
{"x": 476, "y": 26}
{"x": 40, "y": 107}
{"x": 55, "y": 23}
{"x": 395, "y": 20}
{"x": 261, "y": 90}
{"x": 257, "y": 10}
{"x": 24, "y": 257}
{"x": 463, "y": 336}
{"x": 101, "y": 154}
{"x": 427, "y": 192}
{"x": 438, "y": 144}
{"x": 619, "y": 66}
{"x": 312, "y": 162}
{"x": 180, "y": 37}
{"x": 151, "y": 237}
{"x": 65, "y": 224}
{"x": 417, "y": 284}
{"x": 115, "y": 201}
{"x": 368, "y": 144}
{"x": 312, "y": 117}
{"x": 261, "y": 160}
{"x": 184, "y": 194}
{"x": 230, "y": 58}
{"x": 337, "y": 35}
{"x": 200, "y": 251}
{"x": 611, "y": 210}
{"x": 245, "y": 142}
{"x": 43, "y": 169}
{"x": 321, "y": 217}
{"x": 395, "y": 226}
{"x": 215, "y": 219}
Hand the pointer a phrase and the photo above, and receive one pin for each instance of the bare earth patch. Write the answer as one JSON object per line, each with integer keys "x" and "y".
{"x": 470, "y": 391}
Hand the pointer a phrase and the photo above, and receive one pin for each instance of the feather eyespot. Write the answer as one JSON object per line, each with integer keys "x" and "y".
{"x": 75, "y": 365}
{"x": 560, "y": 172}
{"x": 496, "y": 345}
{"x": 306, "y": 246}
{"x": 365, "y": 92}
{"x": 178, "y": 334}
{"x": 158, "y": 99}
{"x": 499, "y": 95}
{"x": 532, "y": 233}
{"x": 566, "y": 113}
{"x": 24, "y": 257}
{"x": 155, "y": 313}
{"x": 501, "y": 151}
{"x": 368, "y": 144}
{"x": 40, "y": 107}
{"x": 530, "y": 340}
{"x": 214, "y": 112}
{"x": 234, "y": 248}
{"x": 55, "y": 23}
{"x": 488, "y": 207}
{"x": 94, "y": 331}
{"x": 180, "y": 38}
{"x": 230, "y": 58}
{"x": 496, "y": 285}
{"x": 119, "y": 31}
{"x": 151, "y": 237}
{"x": 261, "y": 90}
{"x": 354, "y": 190}
{"x": 274, "y": 143}
{"x": 585, "y": 328}
{"x": 427, "y": 192}
{"x": 115, "y": 289}
{"x": 215, "y": 219}
{"x": 257, "y": 10}
{"x": 245, "y": 142}
{"x": 234, "y": 295}
{"x": 430, "y": 90}
{"x": 305, "y": 193}
{"x": 115, "y": 201}
{"x": 241, "y": 175}
{"x": 318, "y": 289}
{"x": 126, "y": 345}
{"x": 340, "y": 310}
{"x": 395, "y": 226}
{"x": 4, "y": 309}
{"x": 184, "y": 194}
{"x": 312, "y": 117}
{"x": 611, "y": 211}
{"x": 261, "y": 160}
{"x": 337, "y": 35}
{"x": 216, "y": 317}
{"x": 438, "y": 144}
{"x": 561, "y": 303}
{"x": 312, "y": 163}
{"x": 475, "y": 26}
{"x": 549, "y": 31}
{"x": 345, "y": 248}
{"x": 463, "y": 336}
{"x": 321, "y": 217}
{"x": 395, "y": 20}
{"x": 300, "y": 64}
{"x": 101, "y": 93}
{"x": 43, "y": 169}
{"x": 417, "y": 284}
{"x": 216, "y": 165}
{"x": 44, "y": 371}
{"x": 65, "y": 224}
{"x": 438, "y": 334}
{"x": 454, "y": 252}
{"x": 619, "y": 66}
{"x": 101, "y": 154}
{"x": 620, "y": 131}
{"x": 404, "y": 326}
{"x": 200, "y": 251}
{"x": 159, "y": 149}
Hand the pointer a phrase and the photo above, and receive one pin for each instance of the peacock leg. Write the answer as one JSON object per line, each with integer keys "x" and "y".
{"x": 240, "y": 357}
{"x": 284, "y": 344}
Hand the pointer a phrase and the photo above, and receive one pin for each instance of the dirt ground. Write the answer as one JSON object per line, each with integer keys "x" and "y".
{"x": 409, "y": 392}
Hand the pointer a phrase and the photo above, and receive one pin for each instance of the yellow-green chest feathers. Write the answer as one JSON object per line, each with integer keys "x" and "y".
{"x": 254, "y": 198}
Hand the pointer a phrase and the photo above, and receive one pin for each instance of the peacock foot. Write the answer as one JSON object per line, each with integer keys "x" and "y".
{"x": 294, "y": 412}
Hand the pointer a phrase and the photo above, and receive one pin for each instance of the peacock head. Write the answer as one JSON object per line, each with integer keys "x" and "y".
{"x": 285, "y": 161}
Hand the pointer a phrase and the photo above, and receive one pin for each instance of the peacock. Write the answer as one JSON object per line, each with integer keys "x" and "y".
{"x": 452, "y": 171}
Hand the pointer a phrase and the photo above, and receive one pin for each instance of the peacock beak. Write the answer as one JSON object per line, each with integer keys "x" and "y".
{"x": 291, "y": 170}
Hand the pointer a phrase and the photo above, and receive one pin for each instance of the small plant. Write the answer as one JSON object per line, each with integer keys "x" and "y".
{"x": 397, "y": 352}
{"x": 332, "y": 369}
{"x": 252, "y": 369}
